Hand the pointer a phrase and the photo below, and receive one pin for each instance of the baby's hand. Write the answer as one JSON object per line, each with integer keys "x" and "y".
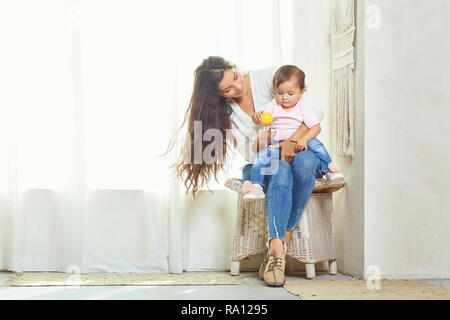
{"x": 257, "y": 117}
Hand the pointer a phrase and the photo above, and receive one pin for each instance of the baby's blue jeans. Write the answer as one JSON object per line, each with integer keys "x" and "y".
{"x": 263, "y": 165}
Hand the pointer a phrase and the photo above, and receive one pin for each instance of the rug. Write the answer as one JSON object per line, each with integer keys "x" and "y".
{"x": 357, "y": 290}
{"x": 121, "y": 279}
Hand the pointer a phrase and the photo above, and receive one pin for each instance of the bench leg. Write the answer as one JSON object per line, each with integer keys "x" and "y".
{"x": 310, "y": 270}
{"x": 333, "y": 267}
{"x": 235, "y": 266}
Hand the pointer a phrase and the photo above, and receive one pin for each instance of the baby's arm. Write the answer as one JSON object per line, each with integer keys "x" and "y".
{"x": 310, "y": 134}
{"x": 308, "y": 130}
{"x": 301, "y": 131}
{"x": 256, "y": 117}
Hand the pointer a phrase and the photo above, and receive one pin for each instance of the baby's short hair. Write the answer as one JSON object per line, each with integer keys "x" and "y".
{"x": 287, "y": 72}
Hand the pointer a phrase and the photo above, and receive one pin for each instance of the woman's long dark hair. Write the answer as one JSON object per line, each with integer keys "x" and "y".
{"x": 214, "y": 112}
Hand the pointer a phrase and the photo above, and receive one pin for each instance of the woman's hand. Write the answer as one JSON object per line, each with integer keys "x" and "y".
{"x": 302, "y": 145}
{"x": 287, "y": 150}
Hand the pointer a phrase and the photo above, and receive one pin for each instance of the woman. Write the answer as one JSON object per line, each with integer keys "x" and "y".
{"x": 224, "y": 99}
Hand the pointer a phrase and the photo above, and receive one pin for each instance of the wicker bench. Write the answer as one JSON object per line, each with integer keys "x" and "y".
{"x": 312, "y": 241}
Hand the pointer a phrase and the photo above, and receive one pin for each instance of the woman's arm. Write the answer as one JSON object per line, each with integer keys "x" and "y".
{"x": 264, "y": 137}
{"x": 301, "y": 131}
{"x": 290, "y": 147}
{"x": 257, "y": 146}
{"x": 243, "y": 143}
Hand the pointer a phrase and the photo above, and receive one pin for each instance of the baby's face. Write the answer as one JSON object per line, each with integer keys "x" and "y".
{"x": 288, "y": 93}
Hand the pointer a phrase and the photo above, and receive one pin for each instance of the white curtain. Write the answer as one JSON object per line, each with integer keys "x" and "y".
{"x": 91, "y": 92}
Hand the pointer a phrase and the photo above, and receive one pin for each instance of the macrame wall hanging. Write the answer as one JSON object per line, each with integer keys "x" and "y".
{"x": 342, "y": 27}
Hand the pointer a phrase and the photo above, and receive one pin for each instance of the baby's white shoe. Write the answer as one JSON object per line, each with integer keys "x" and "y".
{"x": 334, "y": 174}
{"x": 247, "y": 186}
{"x": 333, "y": 167}
{"x": 334, "y": 177}
{"x": 255, "y": 193}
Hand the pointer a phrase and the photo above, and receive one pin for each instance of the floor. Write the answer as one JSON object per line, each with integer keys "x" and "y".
{"x": 252, "y": 289}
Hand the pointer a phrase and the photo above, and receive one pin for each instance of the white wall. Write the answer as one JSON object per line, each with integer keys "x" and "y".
{"x": 312, "y": 53}
{"x": 393, "y": 213}
{"x": 349, "y": 202}
{"x": 407, "y": 158}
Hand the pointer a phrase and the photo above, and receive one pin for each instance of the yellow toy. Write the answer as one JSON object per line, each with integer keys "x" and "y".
{"x": 266, "y": 119}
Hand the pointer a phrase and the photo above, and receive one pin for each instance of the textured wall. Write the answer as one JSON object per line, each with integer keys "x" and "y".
{"x": 407, "y": 159}
{"x": 349, "y": 203}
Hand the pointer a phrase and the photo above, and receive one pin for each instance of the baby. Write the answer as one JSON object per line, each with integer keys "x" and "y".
{"x": 289, "y": 112}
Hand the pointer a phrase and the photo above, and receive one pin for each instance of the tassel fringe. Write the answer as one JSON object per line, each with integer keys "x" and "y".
{"x": 342, "y": 27}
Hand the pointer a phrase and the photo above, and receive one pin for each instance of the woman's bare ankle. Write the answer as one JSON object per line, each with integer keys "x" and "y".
{"x": 276, "y": 246}
{"x": 288, "y": 237}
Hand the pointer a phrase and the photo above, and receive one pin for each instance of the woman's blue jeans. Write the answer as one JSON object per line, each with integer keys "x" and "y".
{"x": 262, "y": 163}
{"x": 288, "y": 191}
